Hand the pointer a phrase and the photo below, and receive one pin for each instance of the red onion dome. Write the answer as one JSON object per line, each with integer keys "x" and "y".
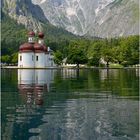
{"x": 41, "y": 35}
{"x": 31, "y": 33}
{"x": 45, "y": 49}
{"x": 27, "y": 47}
{"x": 38, "y": 47}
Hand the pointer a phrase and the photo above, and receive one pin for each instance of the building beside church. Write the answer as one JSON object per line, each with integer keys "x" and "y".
{"x": 35, "y": 54}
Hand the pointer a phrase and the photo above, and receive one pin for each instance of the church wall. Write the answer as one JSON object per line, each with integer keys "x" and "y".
{"x": 47, "y": 60}
{"x": 40, "y": 60}
{"x": 26, "y": 60}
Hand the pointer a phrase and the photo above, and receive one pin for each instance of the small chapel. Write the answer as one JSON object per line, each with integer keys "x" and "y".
{"x": 34, "y": 54}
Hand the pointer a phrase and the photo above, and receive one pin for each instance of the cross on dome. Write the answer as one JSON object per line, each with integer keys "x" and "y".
{"x": 31, "y": 34}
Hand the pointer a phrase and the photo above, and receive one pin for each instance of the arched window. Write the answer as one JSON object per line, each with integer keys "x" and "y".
{"x": 37, "y": 58}
{"x": 20, "y": 58}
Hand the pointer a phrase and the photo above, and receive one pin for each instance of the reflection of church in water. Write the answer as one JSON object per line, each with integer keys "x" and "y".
{"x": 33, "y": 83}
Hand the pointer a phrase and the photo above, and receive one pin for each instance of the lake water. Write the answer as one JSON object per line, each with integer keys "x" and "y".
{"x": 96, "y": 104}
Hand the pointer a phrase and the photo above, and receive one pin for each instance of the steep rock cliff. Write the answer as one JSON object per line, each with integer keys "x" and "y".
{"x": 103, "y": 18}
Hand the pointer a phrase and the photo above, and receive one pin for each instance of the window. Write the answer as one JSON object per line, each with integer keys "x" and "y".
{"x": 30, "y": 39}
{"x": 20, "y": 58}
{"x": 36, "y": 58}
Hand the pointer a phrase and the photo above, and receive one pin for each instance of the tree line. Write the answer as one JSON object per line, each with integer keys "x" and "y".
{"x": 123, "y": 51}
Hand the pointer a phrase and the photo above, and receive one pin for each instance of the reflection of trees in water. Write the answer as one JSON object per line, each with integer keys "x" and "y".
{"x": 68, "y": 80}
{"x": 128, "y": 82}
{"x": 113, "y": 81}
{"x": 120, "y": 81}
{"x": 11, "y": 75}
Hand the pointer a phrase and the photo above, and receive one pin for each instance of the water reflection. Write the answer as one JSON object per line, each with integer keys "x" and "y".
{"x": 33, "y": 83}
{"x": 70, "y": 73}
{"x": 87, "y": 119}
{"x": 70, "y": 105}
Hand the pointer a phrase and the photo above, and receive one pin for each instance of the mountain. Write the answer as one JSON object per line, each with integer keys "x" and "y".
{"x": 32, "y": 16}
{"x": 19, "y": 16}
{"x": 24, "y": 12}
{"x": 102, "y": 18}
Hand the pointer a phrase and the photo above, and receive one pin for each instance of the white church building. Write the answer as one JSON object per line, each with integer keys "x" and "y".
{"x": 35, "y": 54}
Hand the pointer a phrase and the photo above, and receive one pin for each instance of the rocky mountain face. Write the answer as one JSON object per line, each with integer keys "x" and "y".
{"x": 24, "y": 12}
{"x": 102, "y": 18}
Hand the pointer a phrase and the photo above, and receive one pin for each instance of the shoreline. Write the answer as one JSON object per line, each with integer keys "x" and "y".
{"x": 69, "y": 67}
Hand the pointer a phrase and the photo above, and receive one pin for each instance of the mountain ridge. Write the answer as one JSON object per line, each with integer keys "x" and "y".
{"x": 24, "y": 12}
{"x": 102, "y": 18}
{"x": 32, "y": 17}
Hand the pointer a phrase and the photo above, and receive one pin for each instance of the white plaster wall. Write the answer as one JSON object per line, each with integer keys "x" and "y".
{"x": 47, "y": 60}
{"x": 45, "y": 56}
{"x": 52, "y": 64}
{"x": 41, "y": 60}
{"x": 44, "y": 60}
{"x": 27, "y": 60}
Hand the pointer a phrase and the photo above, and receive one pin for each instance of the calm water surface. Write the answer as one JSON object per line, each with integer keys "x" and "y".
{"x": 67, "y": 104}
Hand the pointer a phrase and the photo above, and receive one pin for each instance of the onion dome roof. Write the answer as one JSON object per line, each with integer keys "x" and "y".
{"x": 45, "y": 49}
{"x": 31, "y": 33}
{"x": 38, "y": 47}
{"x": 26, "y": 47}
{"x": 41, "y": 35}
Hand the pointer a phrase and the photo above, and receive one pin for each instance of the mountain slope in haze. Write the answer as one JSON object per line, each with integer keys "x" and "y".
{"x": 26, "y": 13}
{"x": 103, "y": 18}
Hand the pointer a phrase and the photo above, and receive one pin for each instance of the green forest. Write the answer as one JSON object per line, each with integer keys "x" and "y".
{"x": 123, "y": 51}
